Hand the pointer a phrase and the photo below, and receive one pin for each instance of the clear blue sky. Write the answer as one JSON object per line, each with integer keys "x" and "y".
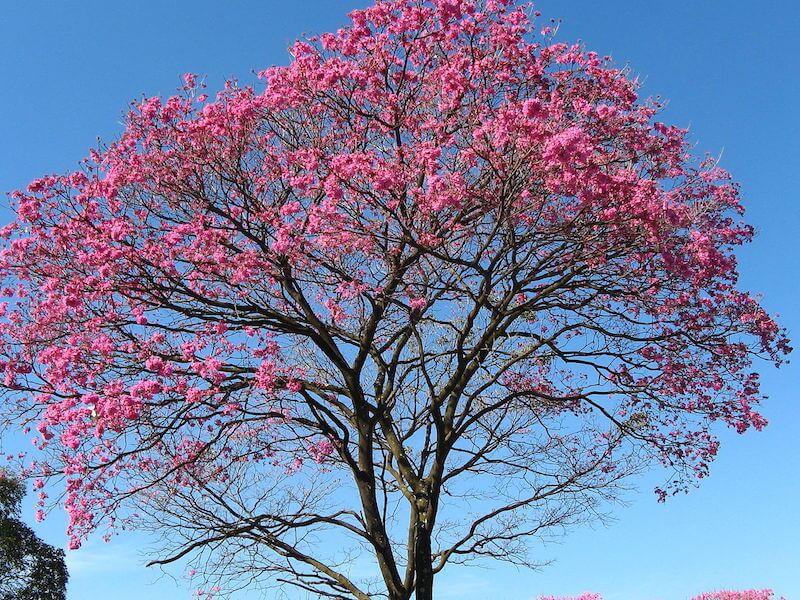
{"x": 731, "y": 70}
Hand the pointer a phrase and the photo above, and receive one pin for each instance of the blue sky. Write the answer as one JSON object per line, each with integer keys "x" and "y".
{"x": 731, "y": 71}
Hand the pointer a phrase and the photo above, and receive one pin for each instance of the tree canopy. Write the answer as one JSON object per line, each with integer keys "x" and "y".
{"x": 433, "y": 289}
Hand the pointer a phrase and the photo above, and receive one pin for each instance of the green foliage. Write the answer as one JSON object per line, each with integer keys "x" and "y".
{"x": 29, "y": 568}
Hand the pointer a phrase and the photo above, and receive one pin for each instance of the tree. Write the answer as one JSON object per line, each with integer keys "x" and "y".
{"x": 431, "y": 291}
{"x": 29, "y": 568}
{"x": 727, "y": 595}
{"x": 743, "y": 595}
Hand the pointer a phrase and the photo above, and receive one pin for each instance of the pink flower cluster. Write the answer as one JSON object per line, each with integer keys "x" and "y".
{"x": 742, "y": 595}
{"x": 728, "y": 595}
{"x": 163, "y": 302}
{"x": 586, "y": 596}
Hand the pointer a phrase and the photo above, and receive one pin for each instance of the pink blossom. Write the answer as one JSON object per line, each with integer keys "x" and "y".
{"x": 235, "y": 281}
{"x": 417, "y": 304}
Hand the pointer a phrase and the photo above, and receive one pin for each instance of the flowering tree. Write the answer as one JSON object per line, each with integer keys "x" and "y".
{"x": 435, "y": 289}
{"x": 726, "y": 595}
{"x": 586, "y": 596}
{"x": 743, "y": 595}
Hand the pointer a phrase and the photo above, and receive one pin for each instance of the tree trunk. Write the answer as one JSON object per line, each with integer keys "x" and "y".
{"x": 423, "y": 565}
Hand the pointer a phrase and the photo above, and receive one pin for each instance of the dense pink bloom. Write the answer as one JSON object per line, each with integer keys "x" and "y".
{"x": 196, "y": 296}
{"x": 586, "y": 596}
{"x": 742, "y": 595}
{"x": 726, "y": 595}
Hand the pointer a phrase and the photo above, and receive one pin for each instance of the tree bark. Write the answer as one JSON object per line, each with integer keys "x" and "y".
{"x": 423, "y": 564}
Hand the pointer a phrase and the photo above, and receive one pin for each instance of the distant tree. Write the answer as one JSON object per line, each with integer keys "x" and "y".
{"x": 586, "y": 596}
{"x": 725, "y": 595}
{"x": 431, "y": 293}
{"x": 29, "y": 568}
{"x": 740, "y": 595}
